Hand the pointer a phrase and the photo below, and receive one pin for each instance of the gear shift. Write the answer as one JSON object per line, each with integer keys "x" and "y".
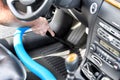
{"x": 71, "y": 63}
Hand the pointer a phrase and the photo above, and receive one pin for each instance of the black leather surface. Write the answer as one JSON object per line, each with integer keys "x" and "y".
{"x": 10, "y": 66}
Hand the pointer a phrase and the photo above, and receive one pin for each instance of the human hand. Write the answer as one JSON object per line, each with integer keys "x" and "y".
{"x": 38, "y": 26}
{"x": 41, "y": 26}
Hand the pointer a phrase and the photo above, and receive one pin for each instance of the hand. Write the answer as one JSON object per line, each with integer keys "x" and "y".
{"x": 41, "y": 26}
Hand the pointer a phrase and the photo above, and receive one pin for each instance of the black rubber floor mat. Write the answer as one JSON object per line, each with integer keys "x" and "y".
{"x": 54, "y": 64}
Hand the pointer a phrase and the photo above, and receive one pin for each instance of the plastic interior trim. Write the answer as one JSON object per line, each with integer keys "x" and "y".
{"x": 33, "y": 66}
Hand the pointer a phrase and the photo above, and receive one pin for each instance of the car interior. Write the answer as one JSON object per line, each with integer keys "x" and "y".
{"x": 86, "y": 45}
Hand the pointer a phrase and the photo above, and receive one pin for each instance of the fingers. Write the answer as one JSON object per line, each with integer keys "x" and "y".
{"x": 39, "y": 30}
{"x": 51, "y": 32}
{"x": 41, "y": 27}
{"x": 43, "y": 32}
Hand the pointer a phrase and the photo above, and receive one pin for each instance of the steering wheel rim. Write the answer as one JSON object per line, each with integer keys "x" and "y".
{"x": 40, "y": 70}
{"x": 30, "y": 14}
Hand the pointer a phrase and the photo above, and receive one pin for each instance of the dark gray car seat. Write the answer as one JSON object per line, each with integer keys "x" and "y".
{"x": 10, "y": 67}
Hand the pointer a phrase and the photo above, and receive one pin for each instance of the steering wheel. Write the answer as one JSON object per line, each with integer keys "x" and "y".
{"x": 33, "y": 66}
{"x": 30, "y": 13}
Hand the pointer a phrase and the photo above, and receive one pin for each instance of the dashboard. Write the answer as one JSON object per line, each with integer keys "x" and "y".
{"x": 102, "y": 58}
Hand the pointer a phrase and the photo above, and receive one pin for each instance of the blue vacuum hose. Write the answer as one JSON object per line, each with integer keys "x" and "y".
{"x": 33, "y": 66}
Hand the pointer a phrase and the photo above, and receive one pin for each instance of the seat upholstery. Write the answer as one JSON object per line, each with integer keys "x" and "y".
{"x": 10, "y": 67}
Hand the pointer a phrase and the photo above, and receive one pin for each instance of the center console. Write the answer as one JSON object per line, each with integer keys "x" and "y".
{"x": 103, "y": 54}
